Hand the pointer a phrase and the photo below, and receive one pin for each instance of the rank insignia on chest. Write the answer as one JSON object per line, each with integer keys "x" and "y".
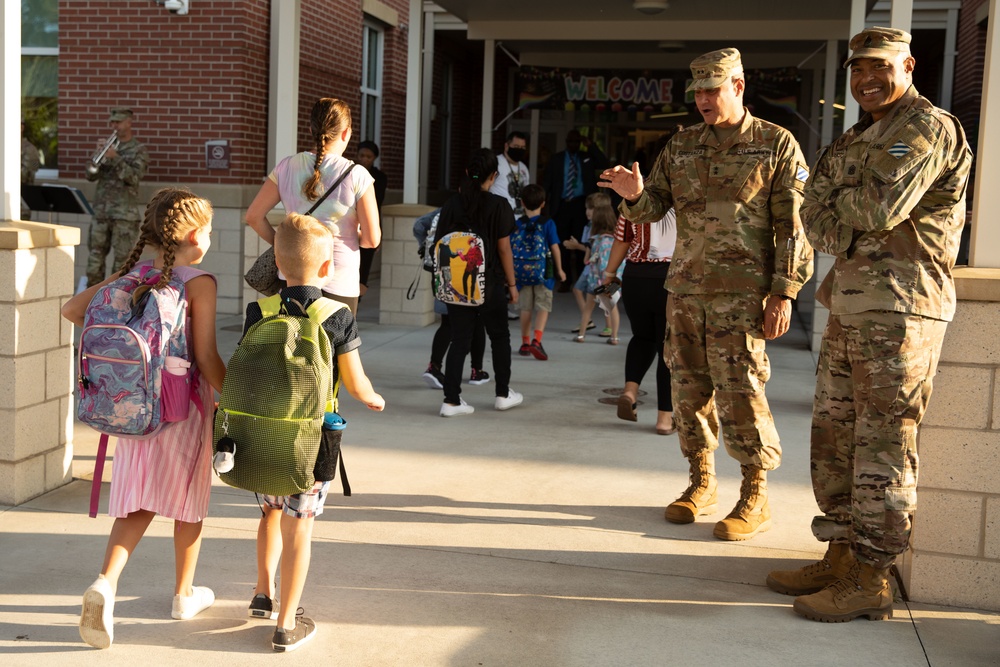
{"x": 715, "y": 171}
{"x": 898, "y": 149}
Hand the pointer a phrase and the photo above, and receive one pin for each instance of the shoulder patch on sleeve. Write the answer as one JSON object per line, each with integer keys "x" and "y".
{"x": 898, "y": 149}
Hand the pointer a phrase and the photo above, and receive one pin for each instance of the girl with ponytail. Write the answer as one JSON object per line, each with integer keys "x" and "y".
{"x": 350, "y": 212}
{"x": 475, "y": 209}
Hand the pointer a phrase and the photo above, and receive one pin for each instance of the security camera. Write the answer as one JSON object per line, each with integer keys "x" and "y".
{"x": 176, "y": 6}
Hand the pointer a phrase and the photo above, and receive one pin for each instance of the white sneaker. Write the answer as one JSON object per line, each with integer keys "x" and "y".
{"x": 463, "y": 408}
{"x": 97, "y": 622}
{"x": 201, "y": 598}
{"x": 512, "y": 399}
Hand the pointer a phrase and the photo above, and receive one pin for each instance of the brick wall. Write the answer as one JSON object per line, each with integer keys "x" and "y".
{"x": 189, "y": 79}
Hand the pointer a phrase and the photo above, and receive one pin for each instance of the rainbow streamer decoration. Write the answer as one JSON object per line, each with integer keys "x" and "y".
{"x": 527, "y": 99}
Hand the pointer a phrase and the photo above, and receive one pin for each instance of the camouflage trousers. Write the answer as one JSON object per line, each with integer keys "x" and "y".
{"x": 872, "y": 387}
{"x": 714, "y": 348}
{"x": 107, "y": 234}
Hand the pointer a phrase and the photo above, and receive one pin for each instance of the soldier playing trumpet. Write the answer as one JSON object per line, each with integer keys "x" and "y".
{"x": 116, "y": 203}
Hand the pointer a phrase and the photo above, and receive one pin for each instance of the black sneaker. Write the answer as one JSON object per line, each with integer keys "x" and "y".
{"x": 478, "y": 377}
{"x": 525, "y": 350}
{"x": 289, "y": 640}
{"x": 434, "y": 377}
{"x": 262, "y": 606}
{"x": 538, "y": 351}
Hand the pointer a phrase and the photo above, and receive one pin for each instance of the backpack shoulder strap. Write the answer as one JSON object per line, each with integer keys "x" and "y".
{"x": 319, "y": 311}
{"x": 270, "y": 305}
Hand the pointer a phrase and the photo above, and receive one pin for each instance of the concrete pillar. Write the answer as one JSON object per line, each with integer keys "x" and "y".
{"x": 10, "y": 112}
{"x": 400, "y": 266}
{"x": 411, "y": 143}
{"x": 851, "y": 110}
{"x": 986, "y": 231}
{"x": 283, "y": 82}
{"x": 901, "y": 15}
{"x": 36, "y": 350}
{"x": 427, "y": 83}
{"x": 955, "y": 547}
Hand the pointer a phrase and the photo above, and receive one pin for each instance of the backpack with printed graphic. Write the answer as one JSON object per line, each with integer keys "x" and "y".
{"x": 278, "y": 386}
{"x": 527, "y": 244}
{"x": 133, "y": 367}
{"x": 460, "y": 269}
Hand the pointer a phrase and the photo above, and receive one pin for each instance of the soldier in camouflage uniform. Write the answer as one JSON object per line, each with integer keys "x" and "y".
{"x": 116, "y": 204}
{"x": 736, "y": 184}
{"x": 887, "y": 199}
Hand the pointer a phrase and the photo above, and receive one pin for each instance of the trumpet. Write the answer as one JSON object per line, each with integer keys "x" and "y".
{"x": 97, "y": 159}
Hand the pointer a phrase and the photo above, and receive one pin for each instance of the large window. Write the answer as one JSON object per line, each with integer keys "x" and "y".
{"x": 40, "y": 79}
{"x": 371, "y": 83}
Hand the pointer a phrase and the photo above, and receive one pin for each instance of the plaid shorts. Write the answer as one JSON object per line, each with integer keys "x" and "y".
{"x": 300, "y": 505}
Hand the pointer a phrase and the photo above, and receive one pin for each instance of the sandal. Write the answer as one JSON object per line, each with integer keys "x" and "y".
{"x": 626, "y": 409}
{"x": 605, "y": 333}
{"x": 580, "y": 338}
{"x": 612, "y": 341}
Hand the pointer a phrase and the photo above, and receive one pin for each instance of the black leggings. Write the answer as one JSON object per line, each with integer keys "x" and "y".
{"x": 493, "y": 315}
{"x": 645, "y": 300}
{"x": 442, "y": 339}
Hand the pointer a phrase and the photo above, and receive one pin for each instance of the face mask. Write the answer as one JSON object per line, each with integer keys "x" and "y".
{"x": 517, "y": 154}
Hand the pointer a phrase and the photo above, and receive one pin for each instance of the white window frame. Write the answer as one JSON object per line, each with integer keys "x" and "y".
{"x": 371, "y": 95}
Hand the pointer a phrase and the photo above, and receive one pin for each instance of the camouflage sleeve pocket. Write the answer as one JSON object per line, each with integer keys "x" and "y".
{"x": 901, "y": 498}
{"x": 899, "y": 158}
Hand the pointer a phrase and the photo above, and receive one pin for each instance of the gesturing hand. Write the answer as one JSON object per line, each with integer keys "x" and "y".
{"x": 627, "y": 183}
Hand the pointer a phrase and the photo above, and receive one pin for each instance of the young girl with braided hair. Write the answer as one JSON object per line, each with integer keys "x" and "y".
{"x": 169, "y": 474}
{"x": 350, "y": 212}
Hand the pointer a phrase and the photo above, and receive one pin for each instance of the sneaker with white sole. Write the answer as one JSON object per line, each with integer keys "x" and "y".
{"x": 478, "y": 376}
{"x": 434, "y": 377}
{"x": 463, "y": 408}
{"x": 512, "y": 399}
{"x": 97, "y": 621}
{"x": 189, "y": 606}
{"x": 289, "y": 640}
{"x": 262, "y": 606}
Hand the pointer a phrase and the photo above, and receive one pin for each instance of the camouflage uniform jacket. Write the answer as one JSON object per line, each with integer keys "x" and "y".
{"x": 888, "y": 200}
{"x": 117, "y": 196}
{"x": 737, "y": 204}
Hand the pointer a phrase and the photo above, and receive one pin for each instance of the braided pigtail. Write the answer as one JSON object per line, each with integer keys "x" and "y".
{"x": 328, "y": 119}
{"x": 172, "y": 214}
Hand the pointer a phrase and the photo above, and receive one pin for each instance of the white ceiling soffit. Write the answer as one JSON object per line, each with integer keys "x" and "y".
{"x": 610, "y": 33}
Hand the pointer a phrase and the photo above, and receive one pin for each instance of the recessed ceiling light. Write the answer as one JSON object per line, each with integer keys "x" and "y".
{"x": 650, "y": 7}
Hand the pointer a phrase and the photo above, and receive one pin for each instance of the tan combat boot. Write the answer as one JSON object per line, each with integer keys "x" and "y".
{"x": 751, "y": 514}
{"x": 863, "y": 591}
{"x": 701, "y": 496}
{"x": 814, "y": 577}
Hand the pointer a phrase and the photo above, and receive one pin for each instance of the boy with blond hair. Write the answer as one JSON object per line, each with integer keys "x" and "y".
{"x": 303, "y": 250}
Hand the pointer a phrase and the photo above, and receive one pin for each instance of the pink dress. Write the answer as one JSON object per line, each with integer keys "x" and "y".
{"x": 171, "y": 473}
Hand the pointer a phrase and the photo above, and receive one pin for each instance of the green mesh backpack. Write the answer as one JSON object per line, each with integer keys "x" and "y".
{"x": 278, "y": 386}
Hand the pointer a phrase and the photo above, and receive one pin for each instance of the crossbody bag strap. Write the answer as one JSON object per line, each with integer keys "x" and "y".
{"x": 333, "y": 187}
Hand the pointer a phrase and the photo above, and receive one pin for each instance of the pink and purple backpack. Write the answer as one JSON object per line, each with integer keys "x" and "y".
{"x": 134, "y": 370}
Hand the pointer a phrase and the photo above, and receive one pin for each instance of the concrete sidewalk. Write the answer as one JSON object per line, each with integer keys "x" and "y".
{"x": 529, "y": 537}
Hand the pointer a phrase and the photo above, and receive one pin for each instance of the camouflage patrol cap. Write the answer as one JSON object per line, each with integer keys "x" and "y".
{"x": 881, "y": 43}
{"x": 120, "y": 113}
{"x": 713, "y": 69}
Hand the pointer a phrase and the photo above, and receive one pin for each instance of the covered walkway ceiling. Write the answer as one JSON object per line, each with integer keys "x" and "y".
{"x": 613, "y": 34}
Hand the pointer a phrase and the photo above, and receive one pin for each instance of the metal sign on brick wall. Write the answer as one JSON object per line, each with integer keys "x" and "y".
{"x": 217, "y": 154}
